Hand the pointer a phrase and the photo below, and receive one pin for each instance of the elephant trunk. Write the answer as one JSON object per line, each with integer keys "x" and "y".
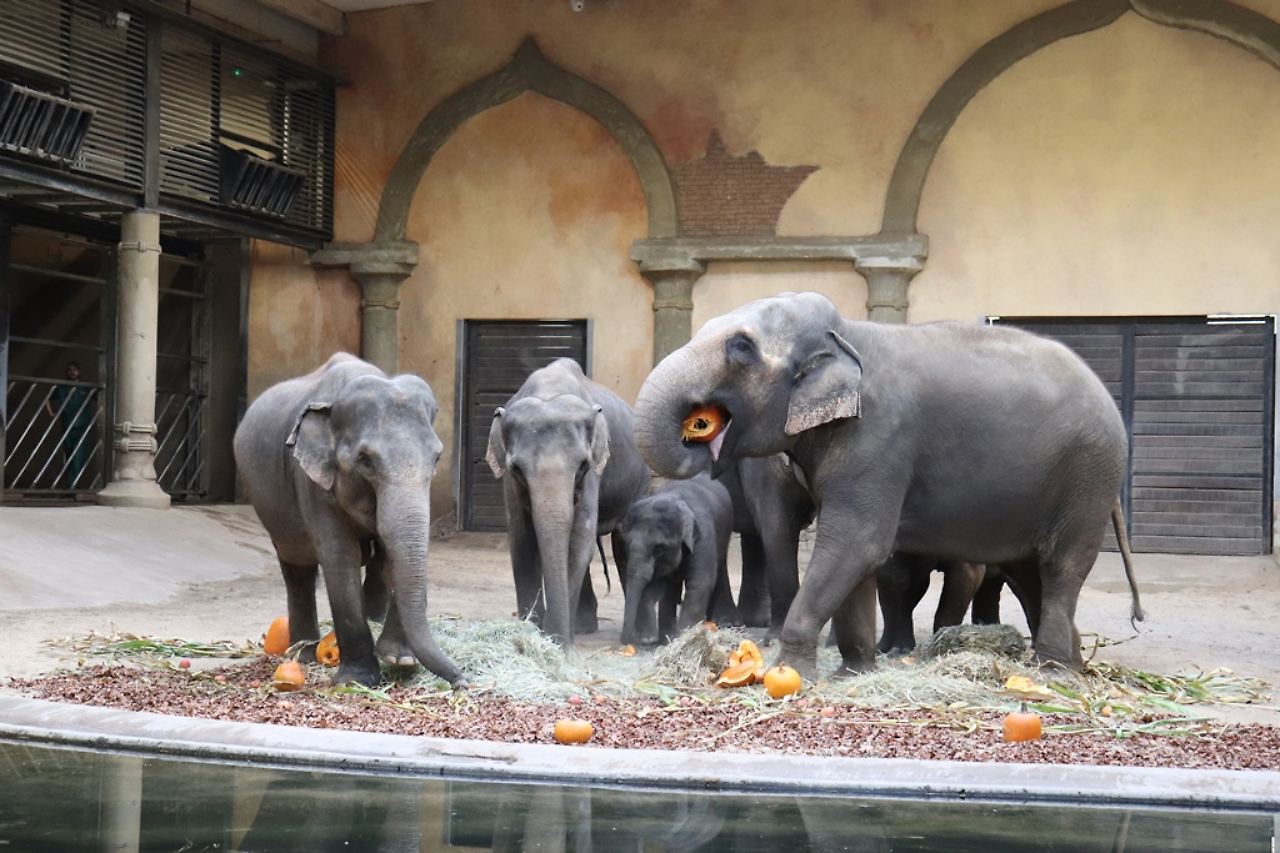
{"x": 665, "y": 399}
{"x": 553, "y": 511}
{"x": 404, "y": 522}
{"x": 638, "y": 578}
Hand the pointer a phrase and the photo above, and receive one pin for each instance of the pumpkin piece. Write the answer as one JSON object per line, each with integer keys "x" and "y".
{"x": 739, "y": 674}
{"x": 781, "y": 681}
{"x": 288, "y": 676}
{"x": 573, "y": 731}
{"x": 709, "y": 625}
{"x": 704, "y": 423}
{"x": 327, "y": 650}
{"x": 628, "y": 651}
{"x": 747, "y": 650}
{"x": 1022, "y": 725}
{"x": 276, "y": 641}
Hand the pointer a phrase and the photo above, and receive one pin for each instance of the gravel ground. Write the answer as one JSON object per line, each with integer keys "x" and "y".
{"x": 723, "y": 724}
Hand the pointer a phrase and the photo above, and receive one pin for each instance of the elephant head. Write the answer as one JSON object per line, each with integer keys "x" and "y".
{"x": 774, "y": 368}
{"x": 373, "y": 450}
{"x": 554, "y": 450}
{"x": 659, "y": 534}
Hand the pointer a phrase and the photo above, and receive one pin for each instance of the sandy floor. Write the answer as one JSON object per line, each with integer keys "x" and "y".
{"x": 1204, "y": 612}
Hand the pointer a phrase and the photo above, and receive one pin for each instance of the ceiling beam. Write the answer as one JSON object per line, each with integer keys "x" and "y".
{"x": 313, "y": 13}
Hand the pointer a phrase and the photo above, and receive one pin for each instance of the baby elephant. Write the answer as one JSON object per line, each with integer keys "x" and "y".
{"x": 676, "y": 537}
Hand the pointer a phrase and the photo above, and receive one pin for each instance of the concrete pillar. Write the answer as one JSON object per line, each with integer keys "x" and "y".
{"x": 133, "y": 482}
{"x": 887, "y": 281}
{"x": 122, "y": 804}
{"x": 672, "y": 306}
{"x": 380, "y": 268}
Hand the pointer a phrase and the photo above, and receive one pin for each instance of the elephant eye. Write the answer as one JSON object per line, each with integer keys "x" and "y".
{"x": 740, "y": 349}
{"x": 364, "y": 459}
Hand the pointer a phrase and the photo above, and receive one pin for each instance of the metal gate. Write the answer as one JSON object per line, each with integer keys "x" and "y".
{"x": 1197, "y": 397}
{"x": 58, "y": 290}
{"x": 497, "y": 357}
{"x": 182, "y": 380}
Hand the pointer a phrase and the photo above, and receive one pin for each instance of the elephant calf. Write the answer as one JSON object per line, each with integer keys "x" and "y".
{"x": 676, "y": 538}
{"x": 338, "y": 465}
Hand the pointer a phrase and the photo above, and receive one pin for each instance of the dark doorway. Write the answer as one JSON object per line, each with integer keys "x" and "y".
{"x": 1197, "y": 397}
{"x": 497, "y": 357}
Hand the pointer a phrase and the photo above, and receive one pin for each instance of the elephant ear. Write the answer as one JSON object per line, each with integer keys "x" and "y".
{"x": 496, "y": 455}
{"x": 688, "y": 527}
{"x": 599, "y": 441}
{"x": 826, "y": 388}
{"x": 313, "y": 444}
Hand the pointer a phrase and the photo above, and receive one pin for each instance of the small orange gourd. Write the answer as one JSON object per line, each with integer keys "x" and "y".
{"x": 327, "y": 650}
{"x": 704, "y": 423}
{"x": 288, "y": 676}
{"x": 1022, "y": 725}
{"x": 781, "y": 681}
{"x": 573, "y": 731}
{"x": 276, "y": 642}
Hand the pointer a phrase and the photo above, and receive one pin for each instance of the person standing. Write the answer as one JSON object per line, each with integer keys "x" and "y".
{"x": 72, "y": 405}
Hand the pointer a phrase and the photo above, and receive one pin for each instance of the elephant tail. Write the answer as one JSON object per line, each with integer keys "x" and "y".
{"x": 608, "y": 586}
{"x": 1136, "y": 613}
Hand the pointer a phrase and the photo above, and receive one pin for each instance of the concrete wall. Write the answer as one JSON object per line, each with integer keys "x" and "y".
{"x": 1126, "y": 171}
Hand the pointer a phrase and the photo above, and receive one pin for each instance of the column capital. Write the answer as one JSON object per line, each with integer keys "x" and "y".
{"x": 376, "y": 258}
{"x": 380, "y": 267}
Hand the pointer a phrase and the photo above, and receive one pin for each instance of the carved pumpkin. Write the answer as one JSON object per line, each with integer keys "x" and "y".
{"x": 288, "y": 676}
{"x": 327, "y": 650}
{"x": 704, "y": 423}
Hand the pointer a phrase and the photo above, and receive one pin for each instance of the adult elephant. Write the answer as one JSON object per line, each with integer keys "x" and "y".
{"x": 338, "y": 465}
{"x": 902, "y": 582}
{"x": 982, "y": 444}
{"x": 565, "y": 450}
{"x": 771, "y": 506}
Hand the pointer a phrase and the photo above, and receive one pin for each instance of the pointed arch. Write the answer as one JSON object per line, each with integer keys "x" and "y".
{"x": 528, "y": 71}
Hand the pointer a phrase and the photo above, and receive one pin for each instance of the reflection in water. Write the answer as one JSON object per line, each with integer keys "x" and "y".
{"x": 63, "y": 800}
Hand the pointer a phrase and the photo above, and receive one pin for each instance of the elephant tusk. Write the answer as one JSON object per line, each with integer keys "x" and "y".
{"x": 716, "y": 443}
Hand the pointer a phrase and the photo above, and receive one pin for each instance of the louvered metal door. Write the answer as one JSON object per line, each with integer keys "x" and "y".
{"x": 1198, "y": 400}
{"x": 497, "y": 358}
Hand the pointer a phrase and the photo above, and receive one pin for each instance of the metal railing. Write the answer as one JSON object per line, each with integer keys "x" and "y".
{"x": 54, "y": 436}
{"x": 180, "y": 445}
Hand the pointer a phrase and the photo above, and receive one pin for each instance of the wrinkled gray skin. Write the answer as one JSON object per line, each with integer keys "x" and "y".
{"x": 565, "y": 451}
{"x": 338, "y": 465}
{"x": 675, "y": 540}
{"x": 771, "y": 505}
{"x": 974, "y": 443}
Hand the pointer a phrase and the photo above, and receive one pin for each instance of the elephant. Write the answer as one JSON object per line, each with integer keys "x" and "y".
{"x": 986, "y": 444}
{"x": 902, "y": 582}
{"x": 565, "y": 450}
{"x": 675, "y": 539}
{"x": 771, "y": 506}
{"x": 338, "y": 465}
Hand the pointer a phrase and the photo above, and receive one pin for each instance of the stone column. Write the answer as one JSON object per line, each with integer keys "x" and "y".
{"x": 133, "y": 482}
{"x": 672, "y": 304}
{"x": 887, "y": 280}
{"x": 380, "y": 268}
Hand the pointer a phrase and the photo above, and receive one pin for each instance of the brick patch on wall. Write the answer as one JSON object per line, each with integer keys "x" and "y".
{"x": 725, "y": 195}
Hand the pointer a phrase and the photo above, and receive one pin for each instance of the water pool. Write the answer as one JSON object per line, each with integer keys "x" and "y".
{"x": 59, "y": 799}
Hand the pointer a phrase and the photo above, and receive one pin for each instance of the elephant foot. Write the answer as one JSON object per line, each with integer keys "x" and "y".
{"x": 375, "y": 606}
{"x": 586, "y": 623}
{"x": 802, "y": 656}
{"x": 1051, "y": 661}
{"x": 365, "y": 673}
{"x": 395, "y": 651}
{"x": 853, "y": 666}
{"x": 307, "y": 654}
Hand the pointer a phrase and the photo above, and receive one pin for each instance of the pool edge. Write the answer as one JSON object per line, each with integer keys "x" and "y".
{"x": 62, "y": 724}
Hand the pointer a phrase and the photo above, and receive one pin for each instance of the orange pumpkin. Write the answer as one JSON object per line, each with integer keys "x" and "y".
{"x": 276, "y": 641}
{"x": 746, "y": 650}
{"x": 288, "y": 676}
{"x": 739, "y": 674}
{"x": 327, "y": 650}
{"x": 1022, "y": 725}
{"x": 573, "y": 731}
{"x": 704, "y": 423}
{"x": 781, "y": 681}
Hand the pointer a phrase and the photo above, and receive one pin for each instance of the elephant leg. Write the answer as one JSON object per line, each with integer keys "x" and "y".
{"x": 846, "y": 553}
{"x": 854, "y": 626}
{"x": 901, "y": 583}
{"x": 300, "y": 594}
{"x": 701, "y": 573}
{"x": 377, "y": 596}
{"x": 753, "y": 591}
{"x": 782, "y": 548}
{"x": 1061, "y": 577}
{"x": 340, "y": 563}
{"x": 667, "y": 607}
{"x": 986, "y": 601}
{"x": 526, "y": 569}
{"x": 960, "y": 583}
{"x": 1024, "y": 579}
{"x": 393, "y": 647}
{"x": 722, "y": 610}
{"x": 585, "y": 621}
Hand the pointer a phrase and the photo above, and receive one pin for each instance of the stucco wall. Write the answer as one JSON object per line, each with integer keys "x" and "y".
{"x": 1126, "y": 171}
